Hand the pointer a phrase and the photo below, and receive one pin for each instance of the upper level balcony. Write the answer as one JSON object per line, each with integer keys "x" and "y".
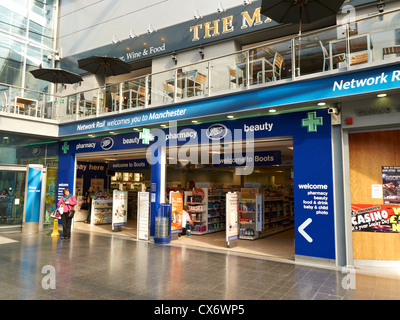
{"x": 365, "y": 43}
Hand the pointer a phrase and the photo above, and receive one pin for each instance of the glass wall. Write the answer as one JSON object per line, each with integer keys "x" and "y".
{"x": 23, "y": 150}
{"x": 12, "y": 196}
{"x": 27, "y": 40}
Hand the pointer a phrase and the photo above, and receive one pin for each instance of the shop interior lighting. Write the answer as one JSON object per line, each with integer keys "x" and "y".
{"x": 220, "y": 8}
{"x": 194, "y": 121}
{"x": 321, "y": 103}
{"x": 230, "y": 117}
{"x": 197, "y": 15}
{"x": 272, "y": 110}
{"x": 381, "y": 95}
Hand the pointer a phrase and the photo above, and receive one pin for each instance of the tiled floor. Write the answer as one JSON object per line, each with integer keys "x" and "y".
{"x": 96, "y": 267}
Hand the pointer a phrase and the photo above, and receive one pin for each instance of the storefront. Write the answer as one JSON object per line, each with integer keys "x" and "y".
{"x": 308, "y": 134}
{"x": 371, "y": 140}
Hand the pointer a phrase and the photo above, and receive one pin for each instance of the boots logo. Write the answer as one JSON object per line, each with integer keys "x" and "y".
{"x": 107, "y": 143}
{"x": 217, "y": 132}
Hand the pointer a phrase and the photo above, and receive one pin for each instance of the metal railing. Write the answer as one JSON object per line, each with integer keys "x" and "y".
{"x": 356, "y": 44}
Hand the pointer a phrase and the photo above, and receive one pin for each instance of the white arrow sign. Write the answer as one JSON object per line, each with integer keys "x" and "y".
{"x": 303, "y": 233}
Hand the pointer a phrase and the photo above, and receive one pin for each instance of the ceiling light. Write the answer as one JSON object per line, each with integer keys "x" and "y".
{"x": 194, "y": 121}
{"x": 381, "y": 95}
{"x": 163, "y": 125}
{"x": 272, "y": 110}
{"x": 321, "y": 103}
{"x": 230, "y": 117}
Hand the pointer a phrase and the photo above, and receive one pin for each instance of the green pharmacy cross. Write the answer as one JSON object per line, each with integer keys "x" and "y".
{"x": 312, "y": 122}
{"x": 65, "y": 147}
{"x": 146, "y": 136}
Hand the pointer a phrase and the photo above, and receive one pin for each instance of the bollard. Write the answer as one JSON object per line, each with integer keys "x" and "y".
{"x": 55, "y": 232}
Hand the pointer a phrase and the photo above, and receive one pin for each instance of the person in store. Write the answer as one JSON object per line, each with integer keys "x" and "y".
{"x": 67, "y": 202}
{"x": 186, "y": 219}
{"x": 89, "y": 198}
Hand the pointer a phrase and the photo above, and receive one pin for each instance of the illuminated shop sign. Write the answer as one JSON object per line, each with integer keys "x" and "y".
{"x": 301, "y": 92}
{"x": 232, "y": 22}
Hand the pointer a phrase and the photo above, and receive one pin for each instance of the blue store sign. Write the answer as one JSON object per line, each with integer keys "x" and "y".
{"x": 365, "y": 81}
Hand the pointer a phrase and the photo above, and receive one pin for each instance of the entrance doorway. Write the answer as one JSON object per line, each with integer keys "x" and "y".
{"x": 271, "y": 177}
{"x": 126, "y": 171}
{"x": 12, "y": 195}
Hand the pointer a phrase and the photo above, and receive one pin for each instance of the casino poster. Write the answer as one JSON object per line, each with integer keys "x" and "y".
{"x": 375, "y": 218}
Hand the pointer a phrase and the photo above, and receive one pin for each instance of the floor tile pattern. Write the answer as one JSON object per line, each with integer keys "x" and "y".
{"x": 102, "y": 267}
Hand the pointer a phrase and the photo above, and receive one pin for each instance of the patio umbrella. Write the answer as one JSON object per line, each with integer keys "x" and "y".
{"x": 56, "y": 75}
{"x": 299, "y": 11}
{"x": 107, "y": 66}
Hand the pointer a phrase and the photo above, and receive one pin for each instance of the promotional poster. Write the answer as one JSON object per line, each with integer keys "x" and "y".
{"x": 176, "y": 200}
{"x": 120, "y": 208}
{"x": 375, "y": 218}
{"x": 390, "y": 182}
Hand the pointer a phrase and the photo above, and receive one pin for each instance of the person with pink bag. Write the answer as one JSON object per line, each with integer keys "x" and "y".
{"x": 67, "y": 202}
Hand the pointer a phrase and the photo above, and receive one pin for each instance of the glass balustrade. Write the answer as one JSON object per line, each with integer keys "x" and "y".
{"x": 333, "y": 49}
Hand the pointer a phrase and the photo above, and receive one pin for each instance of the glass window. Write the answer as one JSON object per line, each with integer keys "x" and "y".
{"x": 13, "y": 17}
{"x": 33, "y": 20}
{"x": 41, "y": 22}
{"x": 11, "y": 61}
{"x": 34, "y": 58}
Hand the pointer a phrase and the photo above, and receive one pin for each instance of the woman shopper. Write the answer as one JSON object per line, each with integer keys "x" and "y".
{"x": 67, "y": 202}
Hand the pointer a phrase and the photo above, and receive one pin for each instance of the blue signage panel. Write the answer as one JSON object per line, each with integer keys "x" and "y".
{"x": 346, "y": 84}
{"x": 129, "y": 165}
{"x": 34, "y": 193}
{"x": 312, "y": 165}
{"x": 259, "y": 158}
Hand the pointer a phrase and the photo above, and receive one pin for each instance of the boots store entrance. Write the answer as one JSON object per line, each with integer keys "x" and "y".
{"x": 297, "y": 190}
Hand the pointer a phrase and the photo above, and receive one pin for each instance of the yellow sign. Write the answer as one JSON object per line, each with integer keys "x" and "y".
{"x": 225, "y": 25}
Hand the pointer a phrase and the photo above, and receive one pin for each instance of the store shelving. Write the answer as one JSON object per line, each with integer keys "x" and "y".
{"x": 101, "y": 211}
{"x": 199, "y": 217}
{"x": 198, "y": 210}
{"x": 247, "y": 219}
{"x": 278, "y": 215}
{"x": 216, "y": 211}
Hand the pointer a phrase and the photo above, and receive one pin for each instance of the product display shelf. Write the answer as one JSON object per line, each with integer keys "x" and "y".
{"x": 101, "y": 211}
{"x": 216, "y": 212}
{"x": 199, "y": 218}
{"x": 247, "y": 220}
{"x": 278, "y": 215}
